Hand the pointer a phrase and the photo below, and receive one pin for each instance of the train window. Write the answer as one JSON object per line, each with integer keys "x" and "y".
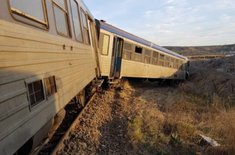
{"x": 138, "y": 57}
{"x": 33, "y": 15}
{"x": 127, "y": 55}
{"x": 155, "y": 58}
{"x": 167, "y": 64}
{"x": 154, "y": 61}
{"x": 36, "y": 93}
{"x": 76, "y": 21}
{"x": 171, "y": 64}
{"x": 162, "y": 56}
{"x": 60, "y": 3}
{"x": 50, "y": 85}
{"x": 85, "y": 28}
{"x": 155, "y": 54}
{"x": 175, "y": 63}
{"x": 167, "y": 58}
{"x": 161, "y": 63}
{"x": 138, "y": 50}
{"x": 104, "y": 43}
{"x": 147, "y": 57}
{"x": 148, "y": 53}
{"x": 127, "y": 46}
{"x": 61, "y": 17}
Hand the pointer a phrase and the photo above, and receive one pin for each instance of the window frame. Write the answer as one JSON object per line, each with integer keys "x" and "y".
{"x": 138, "y": 57}
{"x": 162, "y": 56}
{"x": 109, "y": 37}
{"x": 32, "y": 106}
{"x": 155, "y": 56}
{"x": 175, "y": 63}
{"x": 85, "y": 28}
{"x": 45, "y": 85}
{"x": 147, "y": 56}
{"x": 161, "y": 59}
{"x": 139, "y": 47}
{"x": 167, "y": 61}
{"x": 129, "y": 44}
{"x": 80, "y": 21}
{"x": 35, "y": 22}
{"x": 66, "y": 12}
{"x": 128, "y": 53}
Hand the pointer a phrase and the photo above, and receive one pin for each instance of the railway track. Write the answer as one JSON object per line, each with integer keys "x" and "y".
{"x": 74, "y": 113}
{"x": 72, "y": 127}
{"x": 71, "y": 121}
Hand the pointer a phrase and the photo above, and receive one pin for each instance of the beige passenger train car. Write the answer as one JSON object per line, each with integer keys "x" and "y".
{"x": 126, "y": 55}
{"x": 47, "y": 56}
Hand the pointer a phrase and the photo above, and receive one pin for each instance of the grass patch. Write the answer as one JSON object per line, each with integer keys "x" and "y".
{"x": 178, "y": 126}
{"x": 172, "y": 121}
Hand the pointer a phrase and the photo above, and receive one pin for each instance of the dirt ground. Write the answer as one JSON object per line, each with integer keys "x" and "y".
{"x": 143, "y": 117}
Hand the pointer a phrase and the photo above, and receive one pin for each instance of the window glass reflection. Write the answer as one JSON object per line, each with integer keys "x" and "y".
{"x": 76, "y": 21}
{"x": 61, "y": 21}
{"x": 35, "y": 10}
{"x": 60, "y": 3}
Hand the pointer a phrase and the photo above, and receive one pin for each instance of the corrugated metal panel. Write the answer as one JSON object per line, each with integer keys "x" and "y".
{"x": 132, "y": 37}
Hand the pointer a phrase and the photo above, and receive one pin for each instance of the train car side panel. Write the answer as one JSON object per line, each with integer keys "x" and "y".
{"x": 28, "y": 55}
{"x": 133, "y": 69}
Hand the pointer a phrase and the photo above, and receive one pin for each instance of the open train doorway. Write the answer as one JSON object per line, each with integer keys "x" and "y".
{"x": 116, "y": 58}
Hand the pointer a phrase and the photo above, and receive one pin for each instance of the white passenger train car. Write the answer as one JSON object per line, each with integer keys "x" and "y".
{"x": 126, "y": 55}
{"x": 47, "y": 56}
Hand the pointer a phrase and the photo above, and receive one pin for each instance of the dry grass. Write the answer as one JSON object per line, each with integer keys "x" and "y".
{"x": 145, "y": 131}
{"x": 178, "y": 125}
{"x": 223, "y": 127}
{"x": 164, "y": 120}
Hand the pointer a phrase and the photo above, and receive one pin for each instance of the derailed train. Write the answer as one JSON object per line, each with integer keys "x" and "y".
{"x": 51, "y": 52}
{"x": 125, "y": 55}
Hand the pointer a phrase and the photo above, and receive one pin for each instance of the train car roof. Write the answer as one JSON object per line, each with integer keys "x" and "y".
{"x": 117, "y": 31}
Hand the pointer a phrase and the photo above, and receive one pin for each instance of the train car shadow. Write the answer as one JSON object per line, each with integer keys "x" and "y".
{"x": 26, "y": 111}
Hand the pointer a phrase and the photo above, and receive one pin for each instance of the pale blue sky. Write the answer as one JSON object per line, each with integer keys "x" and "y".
{"x": 171, "y": 22}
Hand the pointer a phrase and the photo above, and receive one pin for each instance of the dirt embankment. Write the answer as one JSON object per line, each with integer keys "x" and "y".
{"x": 203, "y": 50}
{"x": 142, "y": 117}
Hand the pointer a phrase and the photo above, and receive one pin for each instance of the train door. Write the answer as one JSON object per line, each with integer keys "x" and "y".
{"x": 116, "y": 57}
